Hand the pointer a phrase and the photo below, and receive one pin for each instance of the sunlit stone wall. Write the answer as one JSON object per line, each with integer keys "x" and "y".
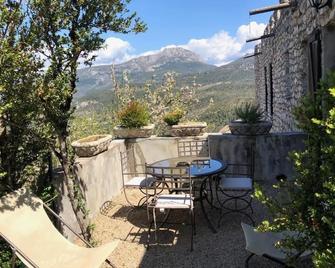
{"x": 287, "y": 52}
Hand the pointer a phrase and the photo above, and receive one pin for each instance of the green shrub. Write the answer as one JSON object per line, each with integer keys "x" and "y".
{"x": 249, "y": 112}
{"x": 134, "y": 115}
{"x": 173, "y": 117}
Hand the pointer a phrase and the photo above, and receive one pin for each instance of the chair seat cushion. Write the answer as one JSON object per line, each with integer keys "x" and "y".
{"x": 240, "y": 183}
{"x": 182, "y": 201}
{"x": 139, "y": 182}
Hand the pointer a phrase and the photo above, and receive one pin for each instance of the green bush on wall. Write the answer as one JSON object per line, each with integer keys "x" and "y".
{"x": 134, "y": 115}
{"x": 173, "y": 117}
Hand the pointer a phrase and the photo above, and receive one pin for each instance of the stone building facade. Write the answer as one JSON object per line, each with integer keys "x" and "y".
{"x": 289, "y": 64}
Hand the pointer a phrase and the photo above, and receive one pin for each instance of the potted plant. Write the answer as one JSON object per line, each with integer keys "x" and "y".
{"x": 133, "y": 121}
{"x": 250, "y": 121}
{"x": 177, "y": 129}
{"x": 91, "y": 145}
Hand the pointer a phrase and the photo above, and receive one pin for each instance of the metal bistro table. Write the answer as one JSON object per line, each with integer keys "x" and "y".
{"x": 202, "y": 168}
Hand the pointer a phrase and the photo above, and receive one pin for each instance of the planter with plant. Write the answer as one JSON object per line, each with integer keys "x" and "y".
{"x": 250, "y": 121}
{"x": 177, "y": 129}
{"x": 133, "y": 121}
{"x": 91, "y": 145}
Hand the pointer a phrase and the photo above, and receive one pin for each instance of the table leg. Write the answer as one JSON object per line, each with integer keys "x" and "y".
{"x": 202, "y": 198}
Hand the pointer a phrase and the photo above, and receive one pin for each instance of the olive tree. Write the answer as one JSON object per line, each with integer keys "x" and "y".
{"x": 66, "y": 32}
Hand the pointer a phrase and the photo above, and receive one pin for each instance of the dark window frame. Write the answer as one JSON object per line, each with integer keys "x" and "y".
{"x": 266, "y": 90}
{"x": 271, "y": 89}
{"x": 314, "y": 61}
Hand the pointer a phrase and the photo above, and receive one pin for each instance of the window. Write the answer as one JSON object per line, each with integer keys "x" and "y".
{"x": 271, "y": 89}
{"x": 266, "y": 90}
{"x": 314, "y": 61}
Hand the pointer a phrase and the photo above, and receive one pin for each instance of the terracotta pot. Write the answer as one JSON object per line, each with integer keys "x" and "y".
{"x": 239, "y": 127}
{"x": 131, "y": 133}
{"x": 187, "y": 129}
{"x": 91, "y": 145}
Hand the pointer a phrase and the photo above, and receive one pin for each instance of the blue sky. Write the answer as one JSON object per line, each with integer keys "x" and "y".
{"x": 214, "y": 29}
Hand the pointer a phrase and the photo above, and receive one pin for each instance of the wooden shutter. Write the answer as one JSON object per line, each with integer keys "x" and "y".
{"x": 314, "y": 62}
{"x": 266, "y": 89}
{"x": 271, "y": 89}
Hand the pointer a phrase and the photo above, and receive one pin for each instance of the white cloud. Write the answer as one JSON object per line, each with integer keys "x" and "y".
{"x": 252, "y": 30}
{"x": 218, "y": 49}
{"x": 222, "y": 48}
{"x": 114, "y": 50}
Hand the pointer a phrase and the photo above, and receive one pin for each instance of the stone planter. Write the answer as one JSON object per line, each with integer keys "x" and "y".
{"x": 239, "y": 127}
{"x": 187, "y": 129}
{"x": 91, "y": 145}
{"x": 131, "y": 133}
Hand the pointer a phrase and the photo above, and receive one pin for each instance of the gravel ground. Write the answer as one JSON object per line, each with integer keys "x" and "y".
{"x": 226, "y": 248}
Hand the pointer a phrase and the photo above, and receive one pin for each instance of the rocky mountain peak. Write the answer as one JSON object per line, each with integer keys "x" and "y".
{"x": 153, "y": 61}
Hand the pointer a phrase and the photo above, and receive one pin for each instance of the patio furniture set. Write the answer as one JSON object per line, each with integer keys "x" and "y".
{"x": 169, "y": 184}
{"x": 176, "y": 183}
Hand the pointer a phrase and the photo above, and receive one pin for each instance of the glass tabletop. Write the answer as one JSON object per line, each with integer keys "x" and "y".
{"x": 200, "y": 166}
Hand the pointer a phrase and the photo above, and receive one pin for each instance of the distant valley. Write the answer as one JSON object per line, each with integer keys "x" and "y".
{"x": 221, "y": 87}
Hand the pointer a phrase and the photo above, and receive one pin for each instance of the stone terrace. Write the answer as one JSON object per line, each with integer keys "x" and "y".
{"x": 226, "y": 248}
{"x": 101, "y": 180}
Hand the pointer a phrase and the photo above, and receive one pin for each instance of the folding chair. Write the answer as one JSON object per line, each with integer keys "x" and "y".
{"x": 172, "y": 190}
{"x": 263, "y": 244}
{"x": 25, "y": 225}
{"x": 193, "y": 147}
{"x": 133, "y": 176}
{"x": 236, "y": 185}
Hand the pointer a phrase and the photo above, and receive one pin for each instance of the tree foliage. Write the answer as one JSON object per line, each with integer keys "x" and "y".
{"x": 309, "y": 203}
{"x": 42, "y": 43}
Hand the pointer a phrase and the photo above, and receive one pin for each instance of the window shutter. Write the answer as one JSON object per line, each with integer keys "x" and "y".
{"x": 314, "y": 62}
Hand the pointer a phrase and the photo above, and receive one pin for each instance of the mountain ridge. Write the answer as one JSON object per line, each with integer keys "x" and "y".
{"x": 141, "y": 69}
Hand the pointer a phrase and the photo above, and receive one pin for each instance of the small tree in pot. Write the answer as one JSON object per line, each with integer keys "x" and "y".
{"x": 177, "y": 129}
{"x": 133, "y": 121}
{"x": 250, "y": 121}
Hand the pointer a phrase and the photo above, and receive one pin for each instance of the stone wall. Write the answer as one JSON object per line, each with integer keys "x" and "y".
{"x": 287, "y": 54}
{"x": 100, "y": 178}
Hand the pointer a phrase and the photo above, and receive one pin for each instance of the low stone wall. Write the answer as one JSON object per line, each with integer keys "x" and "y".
{"x": 101, "y": 175}
{"x": 101, "y": 179}
{"x": 271, "y": 151}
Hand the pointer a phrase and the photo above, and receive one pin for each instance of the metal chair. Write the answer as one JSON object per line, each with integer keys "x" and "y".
{"x": 172, "y": 190}
{"x": 236, "y": 185}
{"x": 134, "y": 176}
{"x": 27, "y": 228}
{"x": 263, "y": 244}
{"x": 193, "y": 147}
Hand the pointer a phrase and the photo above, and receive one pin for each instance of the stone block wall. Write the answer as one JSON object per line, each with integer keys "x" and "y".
{"x": 287, "y": 54}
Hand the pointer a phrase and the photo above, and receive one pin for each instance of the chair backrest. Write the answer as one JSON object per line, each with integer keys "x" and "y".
{"x": 244, "y": 166}
{"x": 193, "y": 147}
{"x": 171, "y": 179}
{"x": 129, "y": 167}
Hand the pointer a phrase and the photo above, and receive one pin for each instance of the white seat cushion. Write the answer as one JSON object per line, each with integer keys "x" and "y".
{"x": 139, "y": 182}
{"x": 182, "y": 201}
{"x": 237, "y": 184}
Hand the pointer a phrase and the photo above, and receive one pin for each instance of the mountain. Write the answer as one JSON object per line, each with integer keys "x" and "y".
{"x": 238, "y": 71}
{"x": 142, "y": 69}
{"x": 221, "y": 88}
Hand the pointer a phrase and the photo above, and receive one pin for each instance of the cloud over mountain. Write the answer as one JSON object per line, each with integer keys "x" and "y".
{"x": 219, "y": 49}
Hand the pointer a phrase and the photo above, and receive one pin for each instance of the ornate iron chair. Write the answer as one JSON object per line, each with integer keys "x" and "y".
{"x": 172, "y": 190}
{"x": 236, "y": 185}
{"x": 134, "y": 176}
{"x": 193, "y": 147}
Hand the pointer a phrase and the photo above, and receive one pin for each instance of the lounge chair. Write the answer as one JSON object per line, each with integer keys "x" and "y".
{"x": 25, "y": 225}
{"x": 263, "y": 244}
